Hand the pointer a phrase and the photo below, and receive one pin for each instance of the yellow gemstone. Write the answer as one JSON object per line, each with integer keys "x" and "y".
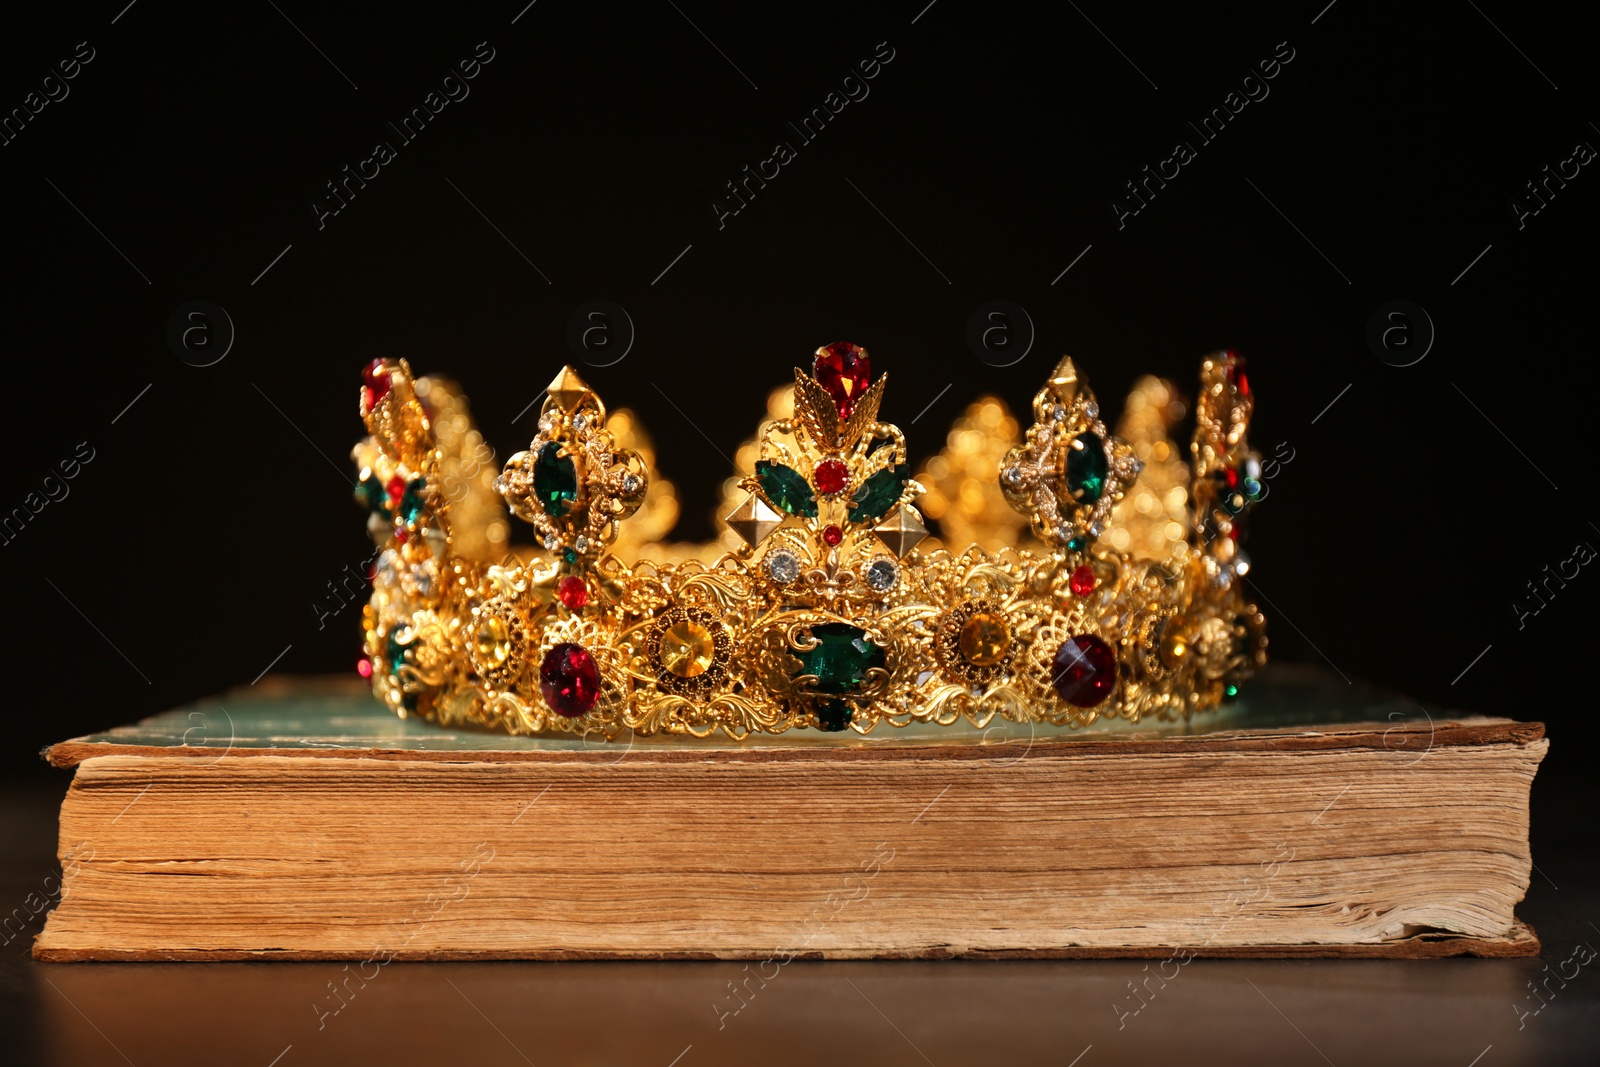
{"x": 687, "y": 648}
{"x": 985, "y": 638}
{"x": 493, "y": 641}
{"x": 1174, "y": 643}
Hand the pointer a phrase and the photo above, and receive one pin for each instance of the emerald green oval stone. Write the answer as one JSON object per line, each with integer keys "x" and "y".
{"x": 1086, "y": 468}
{"x": 395, "y": 651}
{"x": 413, "y": 501}
{"x": 880, "y": 492}
{"x": 371, "y": 493}
{"x": 841, "y": 658}
{"x": 786, "y": 489}
{"x": 555, "y": 481}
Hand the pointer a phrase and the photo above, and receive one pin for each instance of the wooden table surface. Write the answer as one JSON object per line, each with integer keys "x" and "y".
{"x": 1458, "y": 1012}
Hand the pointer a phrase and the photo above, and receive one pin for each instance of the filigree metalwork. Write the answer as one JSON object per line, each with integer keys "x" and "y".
{"x": 816, "y": 620}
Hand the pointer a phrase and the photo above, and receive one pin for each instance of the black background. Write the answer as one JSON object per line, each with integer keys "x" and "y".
{"x": 193, "y": 548}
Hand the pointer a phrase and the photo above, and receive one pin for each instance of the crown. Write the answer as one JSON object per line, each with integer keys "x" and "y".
{"x": 829, "y": 610}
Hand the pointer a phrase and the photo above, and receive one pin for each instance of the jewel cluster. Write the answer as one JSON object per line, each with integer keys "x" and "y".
{"x": 829, "y": 616}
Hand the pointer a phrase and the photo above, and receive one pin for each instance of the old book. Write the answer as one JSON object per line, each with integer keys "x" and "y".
{"x": 306, "y": 822}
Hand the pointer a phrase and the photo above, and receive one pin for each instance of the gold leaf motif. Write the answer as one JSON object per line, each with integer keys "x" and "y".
{"x": 865, "y": 412}
{"x": 816, "y": 410}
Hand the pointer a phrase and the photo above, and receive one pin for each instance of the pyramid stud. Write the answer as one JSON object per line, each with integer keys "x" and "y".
{"x": 568, "y": 390}
{"x": 1064, "y": 382}
{"x": 902, "y": 530}
{"x": 753, "y": 520}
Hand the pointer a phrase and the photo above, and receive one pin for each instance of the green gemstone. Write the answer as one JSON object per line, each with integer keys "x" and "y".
{"x": 841, "y": 658}
{"x": 370, "y": 493}
{"x": 879, "y": 493}
{"x": 1230, "y": 693}
{"x": 834, "y": 715}
{"x": 1086, "y": 468}
{"x": 395, "y": 651}
{"x": 1077, "y": 544}
{"x": 570, "y": 555}
{"x": 555, "y": 481}
{"x": 786, "y": 489}
{"x": 412, "y": 501}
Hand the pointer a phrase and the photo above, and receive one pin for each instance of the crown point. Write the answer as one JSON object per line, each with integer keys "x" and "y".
{"x": 753, "y": 520}
{"x": 901, "y": 531}
{"x": 567, "y": 389}
{"x": 845, "y": 371}
{"x": 1064, "y": 380}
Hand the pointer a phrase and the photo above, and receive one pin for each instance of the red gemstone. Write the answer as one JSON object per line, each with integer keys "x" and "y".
{"x": 375, "y": 383}
{"x": 569, "y": 679}
{"x": 1236, "y": 374}
{"x": 1082, "y": 580}
{"x": 364, "y": 667}
{"x": 832, "y": 477}
{"x": 1085, "y": 671}
{"x": 1231, "y": 477}
{"x": 844, "y": 370}
{"x": 833, "y": 535}
{"x": 573, "y": 593}
{"x": 396, "y": 489}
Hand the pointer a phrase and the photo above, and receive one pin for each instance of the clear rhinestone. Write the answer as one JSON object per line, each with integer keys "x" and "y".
{"x": 1092, "y": 410}
{"x": 1137, "y": 466}
{"x": 631, "y": 483}
{"x": 1013, "y": 475}
{"x": 1241, "y": 564}
{"x": 547, "y": 423}
{"x": 882, "y": 574}
{"x": 580, "y": 423}
{"x": 387, "y": 563}
{"x": 1058, "y": 414}
{"x": 500, "y": 484}
{"x": 1066, "y": 531}
{"x": 1096, "y": 528}
{"x": 581, "y": 543}
{"x": 782, "y": 566}
{"x": 551, "y": 542}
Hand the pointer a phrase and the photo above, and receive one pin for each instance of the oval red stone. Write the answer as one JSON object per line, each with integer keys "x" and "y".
{"x": 1082, "y": 580}
{"x": 1085, "y": 670}
{"x": 833, "y": 535}
{"x": 569, "y": 679}
{"x": 832, "y": 477}
{"x": 844, "y": 370}
{"x": 1236, "y": 374}
{"x": 572, "y": 592}
{"x": 374, "y": 382}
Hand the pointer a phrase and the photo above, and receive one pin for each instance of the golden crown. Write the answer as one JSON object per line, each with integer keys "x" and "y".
{"x": 824, "y": 606}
